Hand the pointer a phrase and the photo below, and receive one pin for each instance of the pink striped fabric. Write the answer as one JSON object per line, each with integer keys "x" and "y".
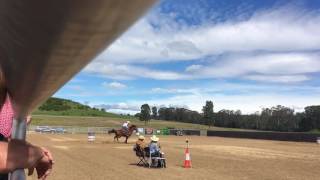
{"x": 6, "y": 118}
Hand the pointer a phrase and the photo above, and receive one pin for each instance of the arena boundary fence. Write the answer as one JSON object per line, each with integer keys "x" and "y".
{"x": 74, "y": 130}
{"x": 278, "y": 136}
{"x": 104, "y": 130}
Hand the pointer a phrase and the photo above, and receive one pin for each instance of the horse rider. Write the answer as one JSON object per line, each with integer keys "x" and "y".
{"x": 125, "y": 127}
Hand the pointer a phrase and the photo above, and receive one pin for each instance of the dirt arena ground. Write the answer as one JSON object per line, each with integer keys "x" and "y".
{"x": 212, "y": 158}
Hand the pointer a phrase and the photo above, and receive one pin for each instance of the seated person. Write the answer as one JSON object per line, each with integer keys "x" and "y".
{"x": 140, "y": 142}
{"x": 154, "y": 146}
{"x": 140, "y": 147}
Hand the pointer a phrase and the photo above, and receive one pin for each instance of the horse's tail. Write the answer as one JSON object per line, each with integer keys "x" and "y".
{"x": 111, "y": 131}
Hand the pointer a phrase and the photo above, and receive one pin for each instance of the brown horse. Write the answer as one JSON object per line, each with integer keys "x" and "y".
{"x": 121, "y": 132}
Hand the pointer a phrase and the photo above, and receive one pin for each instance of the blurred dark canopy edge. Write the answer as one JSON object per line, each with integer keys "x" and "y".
{"x": 43, "y": 43}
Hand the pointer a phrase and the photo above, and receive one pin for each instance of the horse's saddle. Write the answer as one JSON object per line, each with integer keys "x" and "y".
{"x": 125, "y": 131}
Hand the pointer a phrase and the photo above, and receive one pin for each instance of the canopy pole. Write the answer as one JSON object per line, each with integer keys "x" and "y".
{"x": 19, "y": 128}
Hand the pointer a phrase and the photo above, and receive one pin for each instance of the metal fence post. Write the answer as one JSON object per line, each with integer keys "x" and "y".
{"x": 19, "y": 128}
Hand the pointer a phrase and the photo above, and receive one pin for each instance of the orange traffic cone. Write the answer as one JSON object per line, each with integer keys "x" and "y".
{"x": 187, "y": 161}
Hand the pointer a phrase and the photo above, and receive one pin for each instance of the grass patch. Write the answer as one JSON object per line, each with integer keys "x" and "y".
{"x": 77, "y": 112}
{"x": 81, "y": 121}
{"x": 317, "y": 131}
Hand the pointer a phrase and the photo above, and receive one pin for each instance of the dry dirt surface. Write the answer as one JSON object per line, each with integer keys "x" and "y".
{"x": 212, "y": 158}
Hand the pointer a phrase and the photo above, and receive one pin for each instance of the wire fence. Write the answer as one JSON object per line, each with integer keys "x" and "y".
{"x": 69, "y": 129}
{"x": 104, "y": 130}
{"x": 279, "y": 136}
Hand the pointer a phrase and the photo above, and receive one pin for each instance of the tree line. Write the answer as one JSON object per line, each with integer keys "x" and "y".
{"x": 278, "y": 118}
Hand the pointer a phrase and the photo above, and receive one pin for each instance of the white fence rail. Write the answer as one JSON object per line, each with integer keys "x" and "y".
{"x": 72, "y": 130}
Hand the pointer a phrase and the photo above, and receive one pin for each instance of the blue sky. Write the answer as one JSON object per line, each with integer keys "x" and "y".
{"x": 241, "y": 54}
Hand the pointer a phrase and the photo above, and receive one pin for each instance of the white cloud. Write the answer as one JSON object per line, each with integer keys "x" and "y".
{"x": 248, "y": 103}
{"x": 122, "y": 105}
{"x": 115, "y": 71}
{"x": 279, "y": 78}
{"x": 249, "y": 98}
{"x": 194, "y": 68}
{"x": 283, "y": 29}
{"x": 114, "y": 85}
{"x": 119, "y": 108}
{"x": 236, "y": 88}
{"x": 274, "y": 45}
{"x": 122, "y": 111}
{"x": 263, "y": 47}
{"x": 266, "y": 67}
{"x": 173, "y": 90}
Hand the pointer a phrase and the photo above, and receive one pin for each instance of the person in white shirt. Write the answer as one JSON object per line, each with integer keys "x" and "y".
{"x": 125, "y": 126}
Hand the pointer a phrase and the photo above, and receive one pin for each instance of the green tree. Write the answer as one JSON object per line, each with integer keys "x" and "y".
{"x": 312, "y": 118}
{"x": 208, "y": 113}
{"x": 154, "y": 112}
{"x": 145, "y": 113}
{"x": 137, "y": 115}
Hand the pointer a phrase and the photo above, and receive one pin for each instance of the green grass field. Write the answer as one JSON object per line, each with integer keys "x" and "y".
{"x": 65, "y": 107}
{"x": 80, "y": 121}
{"x": 64, "y": 112}
{"x": 78, "y": 112}
{"x": 116, "y": 122}
{"x": 315, "y": 131}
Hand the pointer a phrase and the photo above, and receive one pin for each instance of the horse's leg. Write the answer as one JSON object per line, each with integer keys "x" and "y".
{"x": 126, "y": 140}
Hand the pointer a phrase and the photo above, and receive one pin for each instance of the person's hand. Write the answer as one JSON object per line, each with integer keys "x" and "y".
{"x": 28, "y": 119}
{"x": 44, "y": 165}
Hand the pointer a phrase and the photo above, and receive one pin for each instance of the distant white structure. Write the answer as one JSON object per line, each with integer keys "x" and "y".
{"x": 318, "y": 140}
{"x": 140, "y": 131}
{"x": 91, "y": 136}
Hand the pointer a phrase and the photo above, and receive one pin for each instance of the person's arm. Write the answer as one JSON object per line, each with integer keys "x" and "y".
{"x": 152, "y": 148}
{"x": 44, "y": 165}
{"x": 29, "y": 119}
{"x": 158, "y": 148}
{"x": 18, "y": 154}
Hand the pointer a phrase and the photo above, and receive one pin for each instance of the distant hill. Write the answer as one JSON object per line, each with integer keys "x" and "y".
{"x": 66, "y": 107}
